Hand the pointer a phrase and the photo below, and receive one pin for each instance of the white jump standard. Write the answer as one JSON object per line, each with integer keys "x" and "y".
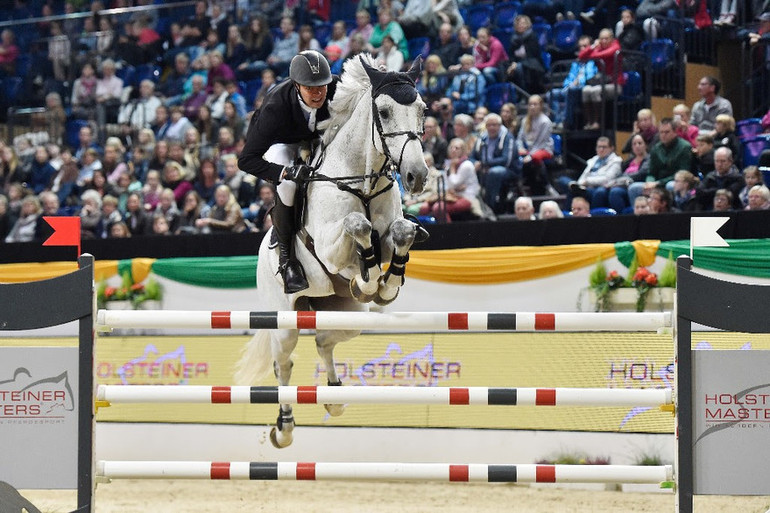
{"x": 371, "y": 471}
{"x": 384, "y": 395}
{"x": 407, "y": 321}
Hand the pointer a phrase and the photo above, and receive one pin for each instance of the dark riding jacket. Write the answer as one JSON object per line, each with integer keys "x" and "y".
{"x": 281, "y": 120}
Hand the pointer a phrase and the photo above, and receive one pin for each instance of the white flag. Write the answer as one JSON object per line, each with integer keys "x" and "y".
{"x": 703, "y": 231}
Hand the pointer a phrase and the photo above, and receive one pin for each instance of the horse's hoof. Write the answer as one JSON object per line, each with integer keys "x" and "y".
{"x": 335, "y": 410}
{"x": 279, "y": 439}
{"x": 358, "y": 294}
{"x": 384, "y": 302}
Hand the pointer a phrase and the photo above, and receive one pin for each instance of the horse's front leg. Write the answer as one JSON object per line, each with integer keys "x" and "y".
{"x": 284, "y": 342}
{"x": 402, "y": 233}
{"x": 364, "y": 285}
{"x": 325, "y": 342}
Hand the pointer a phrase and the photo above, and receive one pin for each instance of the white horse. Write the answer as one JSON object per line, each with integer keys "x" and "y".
{"x": 352, "y": 221}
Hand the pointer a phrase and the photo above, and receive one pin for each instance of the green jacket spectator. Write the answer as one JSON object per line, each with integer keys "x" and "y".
{"x": 669, "y": 155}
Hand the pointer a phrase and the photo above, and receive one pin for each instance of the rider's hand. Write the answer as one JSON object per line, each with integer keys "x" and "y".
{"x": 298, "y": 173}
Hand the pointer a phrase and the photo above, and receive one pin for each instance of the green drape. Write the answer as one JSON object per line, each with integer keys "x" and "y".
{"x": 748, "y": 257}
{"x": 239, "y": 272}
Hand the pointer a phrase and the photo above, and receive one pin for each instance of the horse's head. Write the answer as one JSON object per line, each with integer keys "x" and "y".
{"x": 398, "y": 113}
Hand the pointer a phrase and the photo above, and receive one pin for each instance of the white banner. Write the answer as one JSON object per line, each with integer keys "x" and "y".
{"x": 39, "y": 417}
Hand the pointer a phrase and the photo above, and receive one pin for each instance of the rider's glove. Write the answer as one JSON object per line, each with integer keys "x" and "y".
{"x": 298, "y": 173}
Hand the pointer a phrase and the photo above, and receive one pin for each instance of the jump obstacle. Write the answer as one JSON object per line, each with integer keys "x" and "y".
{"x": 738, "y": 299}
{"x": 407, "y": 321}
{"x": 196, "y": 394}
{"x": 307, "y": 471}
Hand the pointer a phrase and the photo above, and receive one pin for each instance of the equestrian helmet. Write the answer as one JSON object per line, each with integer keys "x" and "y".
{"x": 310, "y": 68}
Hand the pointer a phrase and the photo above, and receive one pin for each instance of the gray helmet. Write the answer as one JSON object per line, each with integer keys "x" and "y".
{"x": 310, "y": 68}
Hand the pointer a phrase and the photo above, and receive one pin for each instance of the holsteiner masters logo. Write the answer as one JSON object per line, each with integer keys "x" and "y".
{"x": 395, "y": 367}
{"x": 747, "y": 409}
{"x": 153, "y": 367}
{"x": 28, "y": 399}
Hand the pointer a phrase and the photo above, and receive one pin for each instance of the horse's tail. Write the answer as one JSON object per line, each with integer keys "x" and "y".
{"x": 256, "y": 359}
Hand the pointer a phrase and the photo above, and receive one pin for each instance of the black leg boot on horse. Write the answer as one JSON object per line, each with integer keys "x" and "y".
{"x": 285, "y": 221}
{"x": 291, "y": 270}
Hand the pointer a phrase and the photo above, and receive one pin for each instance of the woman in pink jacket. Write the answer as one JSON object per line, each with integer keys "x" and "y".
{"x": 606, "y": 84}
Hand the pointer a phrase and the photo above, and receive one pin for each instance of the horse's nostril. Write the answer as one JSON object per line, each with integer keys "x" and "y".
{"x": 409, "y": 178}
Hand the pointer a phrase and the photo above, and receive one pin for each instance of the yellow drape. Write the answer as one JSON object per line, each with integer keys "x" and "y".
{"x": 645, "y": 251}
{"x": 140, "y": 268}
{"x": 505, "y": 264}
{"x": 17, "y": 273}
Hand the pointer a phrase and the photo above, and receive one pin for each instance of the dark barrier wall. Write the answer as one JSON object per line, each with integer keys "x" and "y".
{"x": 743, "y": 225}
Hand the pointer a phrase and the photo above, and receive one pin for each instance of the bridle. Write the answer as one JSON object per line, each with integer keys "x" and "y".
{"x": 390, "y": 167}
{"x": 410, "y": 134}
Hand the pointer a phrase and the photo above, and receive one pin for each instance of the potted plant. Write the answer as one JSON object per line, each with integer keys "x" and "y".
{"x": 129, "y": 295}
{"x": 115, "y": 298}
{"x": 603, "y": 285}
{"x": 643, "y": 281}
{"x": 148, "y": 296}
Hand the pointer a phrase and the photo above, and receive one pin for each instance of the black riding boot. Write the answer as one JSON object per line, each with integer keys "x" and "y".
{"x": 291, "y": 270}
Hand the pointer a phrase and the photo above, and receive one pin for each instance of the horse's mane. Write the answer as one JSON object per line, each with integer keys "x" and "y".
{"x": 353, "y": 84}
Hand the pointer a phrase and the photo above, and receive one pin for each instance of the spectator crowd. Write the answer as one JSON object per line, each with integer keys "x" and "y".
{"x": 156, "y": 109}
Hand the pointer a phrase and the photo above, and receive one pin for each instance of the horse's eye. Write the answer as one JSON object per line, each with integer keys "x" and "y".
{"x": 384, "y": 113}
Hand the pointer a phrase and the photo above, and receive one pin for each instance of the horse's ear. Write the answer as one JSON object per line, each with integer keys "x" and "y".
{"x": 414, "y": 70}
{"x": 375, "y": 75}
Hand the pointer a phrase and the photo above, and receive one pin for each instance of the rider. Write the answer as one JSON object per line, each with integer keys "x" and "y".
{"x": 290, "y": 114}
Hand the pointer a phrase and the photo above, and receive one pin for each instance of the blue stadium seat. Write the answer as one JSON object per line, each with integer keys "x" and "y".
{"x": 747, "y": 128}
{"x": 633, "y": 86}
{"x": 479, "y": 16}
{"x": 599, "y": 212}
{"x": 543, "y": 32}
{"x": 251, "y": 90}
{"x": 11, "y": 89}
{"x": 419, "y": 46}
{"x": 127, "y": 74}
{"x": 505, "y": 13}
{"x": 753, "y": 148}
{"x": 504, "y": 35}
{"x": 72, "y": 129}
{"x": 566, "y": 34}
{"x": 546, "y": 60}
{"x": 163, "y": 27}
{"x": 556, "y": 138}
{"x": 323, "y": 33}
{"x": 23, "y": 64}
{"x": 498, "y": 94}
{"x": 661, "y": 53}
{"x": 147, "y": 72}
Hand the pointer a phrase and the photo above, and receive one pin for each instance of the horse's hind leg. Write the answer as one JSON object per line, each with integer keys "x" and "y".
{"x": 364, "y": 286}
{"x": 402, "y": 233}
{"x": 284, "y": 342}
{"x": 325, "y": 342}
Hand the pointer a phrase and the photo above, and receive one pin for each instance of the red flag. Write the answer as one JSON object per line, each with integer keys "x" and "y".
{"x": 66, "y": 231}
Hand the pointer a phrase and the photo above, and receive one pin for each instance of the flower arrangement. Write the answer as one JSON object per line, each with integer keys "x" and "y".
{"x": 136, "y": 293}
{"x": 602, "y": 284}
{"x": 643, "y": 281}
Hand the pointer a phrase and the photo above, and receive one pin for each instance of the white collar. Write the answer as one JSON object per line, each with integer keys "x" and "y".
{"x": 305, "y": 107}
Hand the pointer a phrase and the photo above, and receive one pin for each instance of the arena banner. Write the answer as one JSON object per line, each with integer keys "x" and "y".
{"x": 611, "y": 360}
{"x": 619, "y": 360}
{"x": 38, "y": 409}
{"x": 731, "y": 422}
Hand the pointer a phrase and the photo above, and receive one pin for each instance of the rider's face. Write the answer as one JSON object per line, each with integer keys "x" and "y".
{"x": 314, "y": 97}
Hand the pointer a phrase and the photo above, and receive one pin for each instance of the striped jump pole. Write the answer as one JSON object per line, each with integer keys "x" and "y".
{"x": 368, "y": 471}
{"x": 406, "y": 321}
{"x": 384, "y": 395}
